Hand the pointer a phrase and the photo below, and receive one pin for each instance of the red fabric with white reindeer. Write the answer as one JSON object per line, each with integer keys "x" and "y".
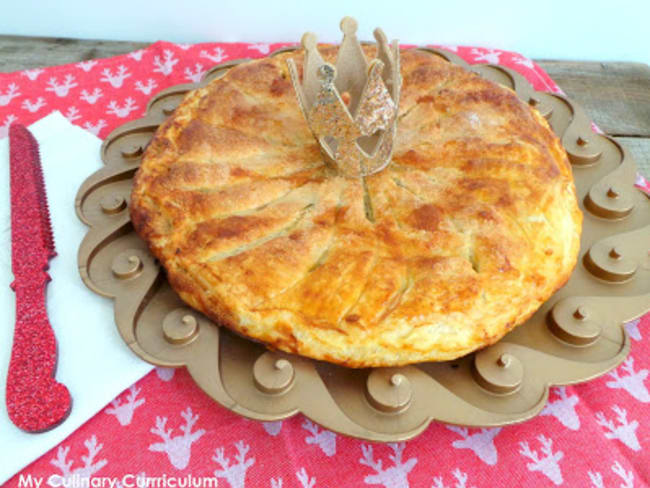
{"x": 596, "y": 434}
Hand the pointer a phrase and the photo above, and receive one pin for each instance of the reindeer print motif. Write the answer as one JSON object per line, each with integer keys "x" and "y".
{"x": 35, "y": 106}
{"x": 96, "y": 127}
{"x": 481, "y": 442}
{"x": 81, "y": 473}
{"x": 178, "y": 449}
{"x": 234, "y": 474}
{"x": 262, "y": 48}
{"x": 4, "y": 128}
{"x": 196, "y": 75}
{"x": 304, "y": 479}
{"x": 627, "y": 477}
{"x": 123, "y": 412}
{"x": 72, "y": 114}
{"x": 272, "y": 428}
{"x": 461, "y": 480}
{"x": 11, "y": 93}
{"x": 122, "y": 111}
{"x": 61, "y": 90}
{"x": 395, "y": 476}
{"x": 596, "y": 479}
{"x": 137, "y": 55}
{"x": 563, "y": 409}
{"x": 547, "y": 465}
{"x": 166, "y": 65}
{"x": 116, "y": 80}
{"x": 32, "y": 74}
{"x": 146, "y": 89}
{"x": 488, "y": 55}
{"x": 528, "y": 63}
{"x": 91, "y": 97}
{"x": 324, "y": 439}
{"x": 632, "y": 382}
{"x": 87, "y": 65}
{"x": 218, "y": 55}
{"x": 165, "y": 374}
{"x": 624, "y": 431}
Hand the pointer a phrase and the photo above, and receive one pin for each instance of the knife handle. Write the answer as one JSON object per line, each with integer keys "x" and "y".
{"x": 35, "y": 400}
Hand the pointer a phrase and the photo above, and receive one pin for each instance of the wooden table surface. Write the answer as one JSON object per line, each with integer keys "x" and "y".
{"x": 616, "y": 95}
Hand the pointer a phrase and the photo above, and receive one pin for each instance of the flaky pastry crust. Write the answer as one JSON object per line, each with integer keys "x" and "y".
{"x": 470, "y": 228}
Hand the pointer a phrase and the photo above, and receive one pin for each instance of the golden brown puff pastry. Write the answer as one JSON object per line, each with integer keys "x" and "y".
{"x": 470, "y": 228}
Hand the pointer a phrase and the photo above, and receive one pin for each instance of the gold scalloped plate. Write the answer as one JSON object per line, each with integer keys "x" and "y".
{"x": 575, "y": 336}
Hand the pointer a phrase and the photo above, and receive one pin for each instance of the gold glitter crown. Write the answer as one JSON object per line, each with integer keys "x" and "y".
{"x": 352, "y": 108}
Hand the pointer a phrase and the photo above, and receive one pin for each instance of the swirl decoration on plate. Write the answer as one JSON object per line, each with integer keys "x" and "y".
{"x": 575, "y": 336}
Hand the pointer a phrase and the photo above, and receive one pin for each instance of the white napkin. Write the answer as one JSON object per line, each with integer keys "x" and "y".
{"x": 94, "y": 363}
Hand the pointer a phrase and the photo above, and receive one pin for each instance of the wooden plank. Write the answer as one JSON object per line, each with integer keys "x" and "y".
{"x": 615, "y": 95}
{"x": 639, "y": 148}
{"x": 18, "y": 53}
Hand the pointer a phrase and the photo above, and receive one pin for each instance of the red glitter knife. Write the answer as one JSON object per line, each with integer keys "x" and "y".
{"x": 35, "y": 400}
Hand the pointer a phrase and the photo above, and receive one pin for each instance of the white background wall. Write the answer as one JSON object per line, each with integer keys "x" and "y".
{"x": 559, "y": 29}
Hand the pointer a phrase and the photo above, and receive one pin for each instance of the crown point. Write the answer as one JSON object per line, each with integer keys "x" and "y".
{"x": 379, "y": 35}
{"x": 348, "y": 26}
{"x": 308, "y": 41}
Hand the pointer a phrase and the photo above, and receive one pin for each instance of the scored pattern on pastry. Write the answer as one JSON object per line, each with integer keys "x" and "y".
{"x": 469, "y": 229}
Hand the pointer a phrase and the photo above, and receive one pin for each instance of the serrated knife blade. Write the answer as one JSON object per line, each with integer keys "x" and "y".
{"x": 35, "y": 400}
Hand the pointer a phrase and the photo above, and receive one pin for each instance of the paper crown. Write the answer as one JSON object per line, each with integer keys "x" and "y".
{"x": 351, "y": 108}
